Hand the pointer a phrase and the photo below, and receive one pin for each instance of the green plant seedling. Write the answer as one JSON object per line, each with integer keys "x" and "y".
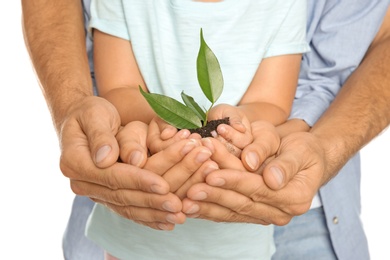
{"x": 190, "y": 115}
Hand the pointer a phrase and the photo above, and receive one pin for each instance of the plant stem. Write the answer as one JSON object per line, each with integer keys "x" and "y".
{"x": 207, "y": 115}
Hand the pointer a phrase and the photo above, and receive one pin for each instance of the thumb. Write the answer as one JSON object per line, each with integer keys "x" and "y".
{"x": 279, "y": 170}
{"x": 297, "y": 155}
{"x": 100, "y": 124}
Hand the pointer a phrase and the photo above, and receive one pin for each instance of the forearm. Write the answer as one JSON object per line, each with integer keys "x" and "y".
{"x": 259, "y": 111}
{"x": 55, "y": 38}
{"x": 361, "y": 109}
{"x": 292, "y": 126}
{"x": 131, "y": 105}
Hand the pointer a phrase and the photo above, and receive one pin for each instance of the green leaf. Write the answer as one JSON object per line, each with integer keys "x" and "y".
{"x": 209, "y": 71}
{"x": 172, "y": 111}
{"x": 190, "y": 102}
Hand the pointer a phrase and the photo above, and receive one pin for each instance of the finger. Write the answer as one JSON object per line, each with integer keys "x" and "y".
{"x": 237, "y": 138}
{"x": 99, "y": 122}
{"x": 217, "y": 213}
{"x": 298, "y": 153}
{"x": 247, "y": 184}
{"x": 231, "y": 148}
{"x": 265, "y": 144}
{"x": 225, "y": 158}
{"x": 132, "y": 143}
{"x": 197, "y": 177}
{"x": 162, "y": 135}
{"x": 146, "y": 216}
{"x": 166, "y": 131}
{"x": 162, "y": 161}
{"x": 240, "y": 204}
{"x": 125, "y": 197}
{"x": 294, "y": 199}
{"x": 182, "y": 171}
{"x": 236, "y": 118}
{"x": 122, "y": 176}
{"x": 158, "y": 225}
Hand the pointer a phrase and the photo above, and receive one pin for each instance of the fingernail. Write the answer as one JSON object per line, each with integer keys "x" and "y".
{"x": 162, "y": 226}
{"x": 193, "y": 209}
{"x": 210, "y": 168}
{"x": 278, "y": 175}
{"x": 199, "y": 196}
{"x": 167, "y": 205}
{"x": 168, "y": 132}
{"x": 102, "y": 153}
{"x": 157, "y": 189}
{"x": 252, "y": 160}
{"x": 203, "y": 156}
{"x": 183, "y": 134}
{"x": 207, "y": 143}
{"x": 136, "y": 158}
{"x": 189, "y": 146}
{"x": 222, "y": 129}
{"x": 217, "y": 182}
{"x": 171, "y": 218}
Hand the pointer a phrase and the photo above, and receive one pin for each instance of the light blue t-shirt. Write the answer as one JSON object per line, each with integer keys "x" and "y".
{"x": 165, "y": 41}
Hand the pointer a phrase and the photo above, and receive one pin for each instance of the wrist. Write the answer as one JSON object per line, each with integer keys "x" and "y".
{"x": 63, "y": 105}
{"x": 292, "y": 126}
{"x": 335, "y": 153}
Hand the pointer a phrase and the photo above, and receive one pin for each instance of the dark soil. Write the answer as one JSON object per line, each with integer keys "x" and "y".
{"x": 205, "y": 131}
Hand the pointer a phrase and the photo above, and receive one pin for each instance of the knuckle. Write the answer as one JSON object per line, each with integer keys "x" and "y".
{"x": 127, "y": 212}
{"x": 282, "y": 220}
{"x": 76, "y": 188}
{"x": 258, "y": 192}
{"x": 118, "y": 197}
{"x": 245, "y": 208}
{"x": 300, "y": 209}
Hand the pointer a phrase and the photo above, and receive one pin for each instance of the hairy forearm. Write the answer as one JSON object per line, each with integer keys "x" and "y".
{"x": 361, "y": 109}
{"x": 55, "y": 38}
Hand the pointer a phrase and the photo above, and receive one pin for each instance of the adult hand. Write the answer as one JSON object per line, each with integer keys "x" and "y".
{"x": 285, "y": 190}
{"x": 89, "y": 153}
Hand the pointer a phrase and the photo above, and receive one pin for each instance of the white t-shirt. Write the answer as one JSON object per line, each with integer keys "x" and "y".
{"x": 165, "y": 40}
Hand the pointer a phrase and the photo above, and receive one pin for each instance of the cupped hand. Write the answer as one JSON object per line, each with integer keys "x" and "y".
{"x": 239, "y": 196}
{"x": 238, "y": 132}
{"x": 89, "y": 153}
{"x": 181, "y": 164}
{"x": 184, "y": 168}
{"x": 291, "y": 171}
{"x": 161, "y": 135}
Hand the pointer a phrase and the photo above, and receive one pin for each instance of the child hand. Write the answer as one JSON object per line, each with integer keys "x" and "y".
{"x": 161, "y": 135}
{"x": 238, "y": 132}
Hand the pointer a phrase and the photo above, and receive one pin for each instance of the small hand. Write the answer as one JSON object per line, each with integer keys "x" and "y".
{"x": 238, "y": 132}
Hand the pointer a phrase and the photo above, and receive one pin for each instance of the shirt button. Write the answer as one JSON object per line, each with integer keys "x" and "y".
{"x": 335, "y": 220}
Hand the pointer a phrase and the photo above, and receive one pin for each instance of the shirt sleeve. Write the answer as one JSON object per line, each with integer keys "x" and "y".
{"x": 290, "y": 38}
{"x": 339, "y": 37}
{"x": 109, "y": 17}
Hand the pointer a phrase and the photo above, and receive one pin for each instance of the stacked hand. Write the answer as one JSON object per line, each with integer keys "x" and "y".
{"x": 185, "y": 176}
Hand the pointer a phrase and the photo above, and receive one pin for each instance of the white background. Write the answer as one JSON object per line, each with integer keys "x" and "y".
{"x": 35, "y": 196}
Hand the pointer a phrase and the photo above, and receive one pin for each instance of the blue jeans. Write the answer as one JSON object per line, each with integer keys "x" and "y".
{"x": 75, "y": 245}
{"x": 305, "y": 237}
